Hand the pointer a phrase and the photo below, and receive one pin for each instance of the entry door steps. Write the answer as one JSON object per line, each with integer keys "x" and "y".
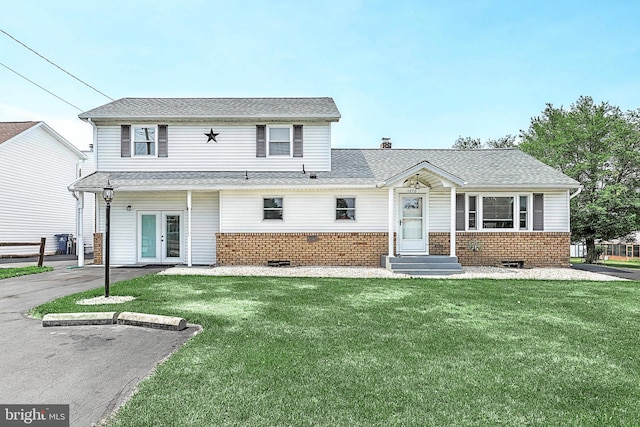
{"x": 430, "y": 265}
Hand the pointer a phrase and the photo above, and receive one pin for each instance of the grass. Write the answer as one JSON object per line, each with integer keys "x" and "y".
{"x": 611, "y": 263}
{"x": 5, "y": 273}
{"x": 378, "y": 352}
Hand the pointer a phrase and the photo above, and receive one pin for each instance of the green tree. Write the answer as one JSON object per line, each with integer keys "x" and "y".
{"x": 599, "y": 146}
{"x": 468, "y": 143}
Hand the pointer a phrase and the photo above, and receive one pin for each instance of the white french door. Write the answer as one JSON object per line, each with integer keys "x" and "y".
{"x": 160, "y": 236}
{"x": 413, "y": 224}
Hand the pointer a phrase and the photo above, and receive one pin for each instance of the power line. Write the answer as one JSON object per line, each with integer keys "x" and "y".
{"x": 48, "y": 91}
{"x": 56, "y": 65}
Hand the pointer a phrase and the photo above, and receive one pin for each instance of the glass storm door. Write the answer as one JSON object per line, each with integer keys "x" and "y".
{"x": 412, "y": 224}
{"x": 160, "y": 237}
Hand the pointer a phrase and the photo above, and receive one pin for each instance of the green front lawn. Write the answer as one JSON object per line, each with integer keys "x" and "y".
{"x": 377, "y": 352}
{"x": 5, "y": 273}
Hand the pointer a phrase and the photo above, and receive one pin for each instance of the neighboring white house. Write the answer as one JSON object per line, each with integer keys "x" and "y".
{"x": 36, "y": 166}
{"x": 255, "y": 181}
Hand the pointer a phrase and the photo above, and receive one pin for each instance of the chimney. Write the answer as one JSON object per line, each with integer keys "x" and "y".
{"x": 385, "y": 144}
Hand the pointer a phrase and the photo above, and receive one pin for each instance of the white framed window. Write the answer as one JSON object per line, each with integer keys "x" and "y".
{"x": 346, "y": 208}
{"x": 279, "y": 139}
{"x": 144, "y": 140}
{"x": 523, "y": 209}
{"x": 472, "y": 215}
{"x": 272, "y": 208}
{"x": 498, "y": 212}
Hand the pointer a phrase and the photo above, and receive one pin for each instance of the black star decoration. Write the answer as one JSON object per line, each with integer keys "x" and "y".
{"x": 212, "y": 136}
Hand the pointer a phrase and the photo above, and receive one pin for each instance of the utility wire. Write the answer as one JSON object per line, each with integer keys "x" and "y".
{"x": 32, "y": 82}
{"x": 56, "y": 65}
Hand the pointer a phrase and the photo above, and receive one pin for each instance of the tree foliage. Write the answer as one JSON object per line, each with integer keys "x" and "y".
{"x": 599, "y": 146}
{"x": 468, "y": 143}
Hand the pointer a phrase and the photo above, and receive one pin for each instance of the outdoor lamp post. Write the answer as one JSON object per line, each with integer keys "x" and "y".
{"x": 107, "y": 194}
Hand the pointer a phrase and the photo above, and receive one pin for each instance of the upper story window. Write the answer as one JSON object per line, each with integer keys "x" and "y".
{"x": 144, "y": 140}
{"x": 272, "y": 208}
{"x": 279, "y": 140}
{"x": 346, "y": 208}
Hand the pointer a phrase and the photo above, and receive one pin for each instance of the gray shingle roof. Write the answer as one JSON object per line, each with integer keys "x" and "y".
{"x": 10, "y": 129}
{"x": 216, "y": 108}
{"x": 506, "y": 168}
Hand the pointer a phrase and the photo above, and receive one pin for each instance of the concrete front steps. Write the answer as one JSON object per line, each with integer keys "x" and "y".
{"x": 429, "y": 265}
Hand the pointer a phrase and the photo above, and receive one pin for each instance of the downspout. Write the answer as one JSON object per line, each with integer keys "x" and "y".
{"x": 79, "y": 226}
{"x": 189, "y": 231}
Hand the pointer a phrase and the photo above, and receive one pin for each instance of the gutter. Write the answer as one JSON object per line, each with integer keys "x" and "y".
{"x": 578, "y": 191}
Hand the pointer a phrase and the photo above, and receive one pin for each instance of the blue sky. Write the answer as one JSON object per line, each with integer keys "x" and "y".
{"x": 420, "y": 72}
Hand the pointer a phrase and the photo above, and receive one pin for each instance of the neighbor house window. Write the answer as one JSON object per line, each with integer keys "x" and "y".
{"x": 473, "y": 212}
{"x": 346, "y": 208}
{"x": 524, "y": 212}
{"x": 144, "y": 140}
{"x": 497, "y": 212}
{"x": 272, "y": 208}
{"x": 279, "y": 140}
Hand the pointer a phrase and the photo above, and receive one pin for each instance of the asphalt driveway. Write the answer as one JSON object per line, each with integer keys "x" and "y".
{"x": 92, "y": 368}
{"x": 623, "y": 273}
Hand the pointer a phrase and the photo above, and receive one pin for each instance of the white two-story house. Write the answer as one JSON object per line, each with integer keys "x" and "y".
{"x": 255, "y": 181}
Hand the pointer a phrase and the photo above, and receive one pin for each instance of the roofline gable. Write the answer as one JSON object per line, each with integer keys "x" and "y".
{"x": 444, "y": 176}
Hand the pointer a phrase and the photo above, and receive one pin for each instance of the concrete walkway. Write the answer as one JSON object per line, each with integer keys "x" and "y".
{"x": 92, "y": 368}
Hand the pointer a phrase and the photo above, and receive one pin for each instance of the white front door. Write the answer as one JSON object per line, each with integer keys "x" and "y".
{"x": 160, "y": 236}
{"x": 413, "y": 224}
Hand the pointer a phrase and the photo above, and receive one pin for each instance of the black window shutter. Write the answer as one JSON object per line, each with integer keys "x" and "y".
{"x": 125, "y": 141}
{"x": 460, "y": 212}
{"x": 261, "y": 141}
{"x": 163, "y": 149}
{"x": 538, "y": 212}
{"x": 297, "y": 140}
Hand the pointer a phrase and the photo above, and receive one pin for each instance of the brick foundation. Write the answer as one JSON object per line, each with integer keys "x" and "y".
{"x": 536, "y": 249}
{"x": 97, "y": 248}
{"x": 301, "y": 249}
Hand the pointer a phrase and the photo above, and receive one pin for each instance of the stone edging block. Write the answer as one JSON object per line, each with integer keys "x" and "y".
{"x": 155, "y": 321}
{"x": 112, "y": 317}
{"x": 77, "y": 319}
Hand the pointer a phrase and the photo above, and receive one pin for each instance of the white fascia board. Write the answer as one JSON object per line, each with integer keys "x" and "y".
{"x": 128, "y": 188}
{"x": 521, "y": 187}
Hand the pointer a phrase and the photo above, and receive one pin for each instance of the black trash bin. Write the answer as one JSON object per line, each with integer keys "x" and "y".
{"x": 63, "y": 243}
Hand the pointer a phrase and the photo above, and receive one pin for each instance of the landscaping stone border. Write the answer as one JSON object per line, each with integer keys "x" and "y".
{"x": 154, "y": 321}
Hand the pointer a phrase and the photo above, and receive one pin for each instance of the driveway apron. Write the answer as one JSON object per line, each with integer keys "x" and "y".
{"x": 94, "y": 369}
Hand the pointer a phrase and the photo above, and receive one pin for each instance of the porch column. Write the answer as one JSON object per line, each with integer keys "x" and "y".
{"x": 189, "y": 260}
{"x": 391, "y": 222}
{"x": 452, "y": 238}
{"x": 80, "y": 229}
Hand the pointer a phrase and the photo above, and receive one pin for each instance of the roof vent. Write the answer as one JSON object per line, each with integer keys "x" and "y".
{"x": 385, "y": 144}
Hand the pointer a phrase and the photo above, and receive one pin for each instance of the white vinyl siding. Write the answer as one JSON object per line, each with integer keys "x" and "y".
{"x": 235, "y": 150}
{"x": 311, "y": 211}
{"x": 439, "y": 210}
{"x": 124, "y": 232}
{"x": 556, "y": 211}
{"x": 35, "y": 171}
{"x": 204, "y": 224}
